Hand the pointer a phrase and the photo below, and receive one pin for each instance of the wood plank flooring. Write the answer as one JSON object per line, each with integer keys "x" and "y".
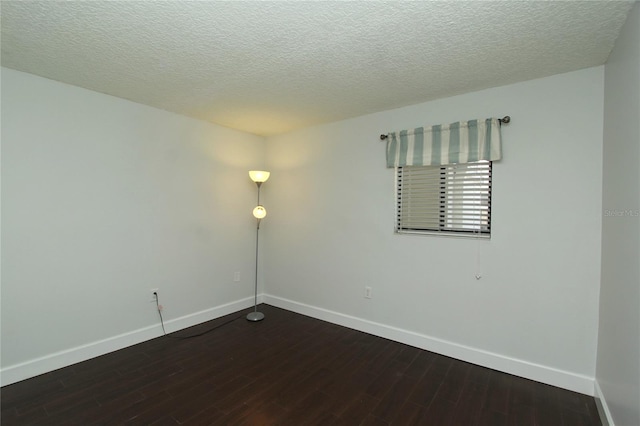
{"x": 286, "y": 370}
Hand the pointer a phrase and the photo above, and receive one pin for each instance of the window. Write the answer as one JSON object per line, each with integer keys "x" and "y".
{"x": 453, "y": 199}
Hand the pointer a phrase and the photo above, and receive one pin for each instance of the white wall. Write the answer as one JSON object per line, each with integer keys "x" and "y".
{"x": 104, "y": 199}
{"x": 618, "y": 368}
{"x": 533, "y": 313}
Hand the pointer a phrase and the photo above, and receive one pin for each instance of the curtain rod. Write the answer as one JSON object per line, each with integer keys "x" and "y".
{"x": 506, "y": 120}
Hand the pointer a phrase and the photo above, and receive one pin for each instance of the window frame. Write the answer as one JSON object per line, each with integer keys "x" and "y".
{"x": 451, "y": 222}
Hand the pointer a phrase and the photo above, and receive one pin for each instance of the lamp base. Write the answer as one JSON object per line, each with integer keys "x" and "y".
{"x": 255, "y": 316}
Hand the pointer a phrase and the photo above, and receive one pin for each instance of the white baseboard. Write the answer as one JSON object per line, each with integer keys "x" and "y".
{"x": 601, "y": 404}
{"x": 35, "y": 367}
{"x": 540, "y": 373}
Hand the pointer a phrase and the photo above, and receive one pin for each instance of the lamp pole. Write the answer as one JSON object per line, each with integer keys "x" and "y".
{"x": 255, "y": 315}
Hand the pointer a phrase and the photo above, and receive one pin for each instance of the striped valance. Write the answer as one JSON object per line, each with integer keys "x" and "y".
{"x": 461, "y": 142}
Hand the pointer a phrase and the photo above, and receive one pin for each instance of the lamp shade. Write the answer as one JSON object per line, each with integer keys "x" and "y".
{"x": 259, "y": 175}
{"x": 259, "y": 212}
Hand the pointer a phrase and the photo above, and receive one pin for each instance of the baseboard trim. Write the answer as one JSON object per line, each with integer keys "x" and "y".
{"x": 35, "y": 367}
{"x": 601, "y": 404}
{"x": 540, "y": 373}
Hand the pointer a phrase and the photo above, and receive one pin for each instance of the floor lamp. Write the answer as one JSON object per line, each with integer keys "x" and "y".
{"x": 259, "y": 212}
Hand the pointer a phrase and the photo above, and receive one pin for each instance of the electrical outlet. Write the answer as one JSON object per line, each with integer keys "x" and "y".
{"x": 236, "y": 277}
{"x": 367, "y": 292}
{"x": 153, "y": 296}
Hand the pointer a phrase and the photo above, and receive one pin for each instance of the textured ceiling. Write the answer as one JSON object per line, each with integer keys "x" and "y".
{"x": 269, "y": 67}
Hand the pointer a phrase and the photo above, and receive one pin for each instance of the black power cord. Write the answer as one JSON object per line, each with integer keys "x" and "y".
{"x": 164, "y": 332}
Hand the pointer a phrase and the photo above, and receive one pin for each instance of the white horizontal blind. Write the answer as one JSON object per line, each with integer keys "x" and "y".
{"x": 449, "y": 199}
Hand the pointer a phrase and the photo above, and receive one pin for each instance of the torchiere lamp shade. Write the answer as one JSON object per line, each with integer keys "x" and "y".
{"x": 259, "y": 176}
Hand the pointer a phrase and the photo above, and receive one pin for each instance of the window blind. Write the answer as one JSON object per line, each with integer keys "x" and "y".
{"x": 449, "y": 199}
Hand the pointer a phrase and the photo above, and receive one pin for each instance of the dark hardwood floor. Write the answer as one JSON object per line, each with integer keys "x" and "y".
{"x": 286, "y": 370}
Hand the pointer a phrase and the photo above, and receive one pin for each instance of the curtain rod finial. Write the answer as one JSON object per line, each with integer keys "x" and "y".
{"x": 383, "y": 137}
{"x": 506, "y": 119}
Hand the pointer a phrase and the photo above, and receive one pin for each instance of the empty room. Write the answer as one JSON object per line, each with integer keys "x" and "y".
{"x": 320, "y": 213}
